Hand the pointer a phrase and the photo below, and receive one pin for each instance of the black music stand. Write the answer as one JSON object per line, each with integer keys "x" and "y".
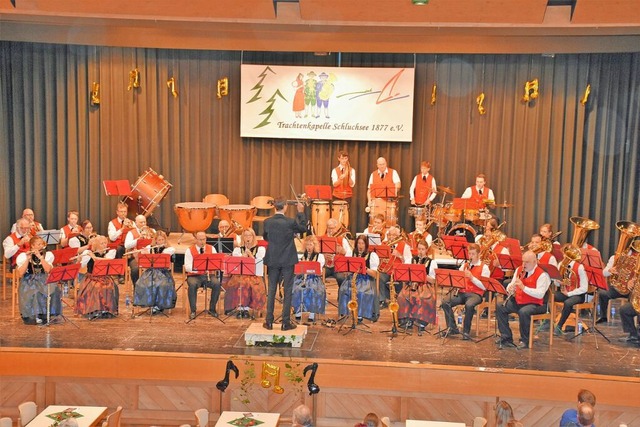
{"x": 305, "y": 268}
{"x": 207, "y": 264}
{"x": 592, "y": 263}
{"x": 382, "y": 191}
{"x": 50, "y": 237}
{"x": 223, "y": 245}
{"x": 457, "y": 245}
{"x": 354, "y": 265}
{"x": 153, "y": 261}
{"x": 454, "y": 279}
{"x": 65, "y": 256}
{"x": 410, "y": 273}
{"x": 56, "y": 275}
{"x": 318, "y": 192}
{"x": 372, "y": 238}
{"x": 243, "y": 266}
{"x": 492, "y": 285}
{"x": 110, "y": 267}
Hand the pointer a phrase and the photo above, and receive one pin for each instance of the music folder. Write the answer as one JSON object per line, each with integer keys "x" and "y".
{"x": 463, "y": 204}
{"x": 551, "y": 270}
{"x": 318, "y": 192}
{"x": 203, "y": 263}
{"x": 450, "y": 278}
{"x": 410, "y": 273}
{"x": 63, "y": 256}
{"x": 143, "y": 243}
{"x": 244, "y": 266}
{"x": 307, "y": 267}
{"x": 382, "y": 191}
{"x": 50, "y": 237}
{"x": 593, "y": 265}
{"x": 154, "y": 261}
{"x": 346, "y": 264}
{"x": 63, "y": 273}
{"x": 119, "y": 187}
{"x": 383, "y": 251}
{"x": 109, "y": 267}
{"x": 457, "y": 245}
{"x": 493, "y": 285}
{"x": 508, "y": 262}
{"x": 328, "y": 244}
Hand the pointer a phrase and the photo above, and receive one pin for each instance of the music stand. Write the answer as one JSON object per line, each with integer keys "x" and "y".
{"x": 556, "y": 250}
{"x": 207, "y": 264}
{"x": 60, "y": 274}
{"x": 509, "y": 262}
{"x": 382, "y": 191}
{"x": 143, "y": 243}
{"x": 119, "y": 187}
{"x": 318, "y": 192}
{"x": 372, "y": 239}
{"x": 223, "y": 245}
{"x": 63, "y": 256}
{"x": 454, "y": 279}
{"x": 383, "y": 251}
{"x": 464, "y": 204}
{"x": 354, "y": 265}
{"x": 457, "y": 245}
{"x": 411, "y": 273}
{"x": 513, "y": 245}
{"x": 50, "y": 237}
{"x": 492, "y": 285}
{"x": 328, "y": 244}
{"x": 592, "y": 263}
{"x": 243, "y": 266}
{"x": 153, "y": 261}
{"x": 305, "y": 268}
{"x": 109, "y": 267}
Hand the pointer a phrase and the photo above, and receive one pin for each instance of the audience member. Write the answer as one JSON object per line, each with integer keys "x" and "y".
{"x": 504, "y": 416}
{"x": 301, "y": 417}
{"x": 570, "y": 417}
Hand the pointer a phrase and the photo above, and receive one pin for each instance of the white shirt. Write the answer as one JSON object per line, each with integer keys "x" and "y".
{"x": 49, "y": 257}
{"x": 485, "y": 273}
{"x": 583, "y": 281}
{"x": 468, "y": 193}
{"x": 412, "y": 189}
{"x": 86, "y": 257}
{"x": 335, "y": 178}
{"x": 9, "y": 247}
{"x": 542, "y": 284}
{"x": 112, "y": 232}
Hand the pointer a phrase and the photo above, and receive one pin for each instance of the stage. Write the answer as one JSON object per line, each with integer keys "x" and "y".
{"x": 161, "y": 369}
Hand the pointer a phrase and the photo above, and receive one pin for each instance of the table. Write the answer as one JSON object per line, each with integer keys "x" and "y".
{"x": 269, "y": 419}
{"x": 420, "y": 423}
{"x": 90, "y": 415}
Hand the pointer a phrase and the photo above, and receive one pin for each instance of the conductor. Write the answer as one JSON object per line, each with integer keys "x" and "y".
{"x": 281, "y": 257}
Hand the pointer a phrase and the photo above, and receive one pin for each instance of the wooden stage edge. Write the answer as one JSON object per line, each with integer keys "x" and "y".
{"x": 159, "y": 388}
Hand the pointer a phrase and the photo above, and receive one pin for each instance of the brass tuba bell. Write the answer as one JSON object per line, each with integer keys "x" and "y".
{"x": 582, "y": 227}
{"x": 624, "y": 264}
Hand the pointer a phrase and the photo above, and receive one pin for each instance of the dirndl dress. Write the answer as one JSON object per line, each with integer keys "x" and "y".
{"x": 244, "y": 291}
{"x": 32, "y": 297}
{"x": 155, "y": 288}
{"x": 97, "y": 294}
{"x": 368, "y": 306}
{"x": 417, "y": 302}
{"x": 309, "y": 296}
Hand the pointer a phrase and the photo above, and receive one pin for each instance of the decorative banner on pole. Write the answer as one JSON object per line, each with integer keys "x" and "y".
{"x": 370, "y": 104}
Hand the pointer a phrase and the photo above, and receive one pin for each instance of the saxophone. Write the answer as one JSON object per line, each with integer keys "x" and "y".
{"x": 353, "y": 302}
{"x": 393, "y": 302}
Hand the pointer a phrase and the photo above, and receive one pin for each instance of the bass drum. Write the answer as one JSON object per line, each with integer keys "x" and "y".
{"x": 464, "y": 230}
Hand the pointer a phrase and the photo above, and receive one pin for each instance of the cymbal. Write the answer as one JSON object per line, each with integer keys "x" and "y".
{"x": 446, "y": 190}
{"x": 504, "y": 205}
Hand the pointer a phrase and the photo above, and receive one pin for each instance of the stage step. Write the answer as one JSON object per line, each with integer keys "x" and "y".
{"x": 259, "y": 336}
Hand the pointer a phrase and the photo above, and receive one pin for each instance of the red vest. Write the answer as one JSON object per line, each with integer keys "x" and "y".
{"x": 529, "y": 282}
{"x": 423, "y": 189}
{"x": 479, "y": 198}
{"x": 386, "y": 182}
{"x": 23, "y": 248}
{"x": 476, "y": 270}
{"x": 120, "y": 240}
{"x": 387, "y": 265}
{"x": 575, "y": 279}
{"x": 343, "y": 190}
{"x": 208, "y": 249}
{"x": 545, "y": 258}
{"x": 67, "y": 231}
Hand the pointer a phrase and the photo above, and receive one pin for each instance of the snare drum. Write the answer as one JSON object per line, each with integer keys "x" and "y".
{"x": 195, "y": 216}
{"x": 149, "y": 190}
{"x": 437, "y": 215}
{"x": 320, "y": 214}
{"x": 388, "y": 208}
{"x": 340, "y": 211}
{"x": 418, "y": 212}
{"x": 242, "y": 214}
{"x": 464, "y": 230}
{"x": 472, "y": 215}
{"x": 451, "y": 214}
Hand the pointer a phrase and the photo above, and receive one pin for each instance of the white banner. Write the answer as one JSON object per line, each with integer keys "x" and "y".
{"x": 371, "y": 104}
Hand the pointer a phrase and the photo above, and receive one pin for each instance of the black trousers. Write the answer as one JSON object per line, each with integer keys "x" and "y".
{"x": 276, "y": 274}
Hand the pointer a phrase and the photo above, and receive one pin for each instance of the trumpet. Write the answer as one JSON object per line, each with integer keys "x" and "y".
{"x": 127, "y": 223}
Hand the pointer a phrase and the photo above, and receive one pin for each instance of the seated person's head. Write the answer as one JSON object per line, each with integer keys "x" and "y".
{"x": 302, "y": 416}
{"x": 586, "y": 414}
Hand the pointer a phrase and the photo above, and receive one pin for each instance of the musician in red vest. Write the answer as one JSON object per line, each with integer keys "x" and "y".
{"x": 383, "y": 177}
{"x": 400, "y": 254}
{"x": 72, "y": 229}
{"x": 118, "y": 228}
{"x": 343, "y": 178}
{"x": 526, "y": 297}
{"x": 574, "y": 293}
{"x": 470, "y": 295}
{"x": 17, "y": 242}
{"x": 33, "y": 224}
{"x": 479, "y": 192}
{"x": 544, "y": 257}
{"x": 423, "y": 187}
{"x": 197, "y": 279}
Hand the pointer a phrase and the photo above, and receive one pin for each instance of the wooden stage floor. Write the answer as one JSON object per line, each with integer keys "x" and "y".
{"x": 588, "y": 354}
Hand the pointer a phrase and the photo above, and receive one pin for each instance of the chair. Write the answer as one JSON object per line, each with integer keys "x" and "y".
{"x": 549, "y": 315}
{"x": 479, "y": 422}
{"x": 113, "y": 419}
{"x": 15, "y": 285}
{"x": 6, "y": 422}
{"x": 216, "y": 199}
{"x": 28, "y": 411}
{"x": 489, "y": 306}
{"x": 264, "y": 206}
{"x": 6, "y": 275}
{"x": 591, "y": 305}
{"x": 623, "y": 301}
{"x": 202, "y": 417}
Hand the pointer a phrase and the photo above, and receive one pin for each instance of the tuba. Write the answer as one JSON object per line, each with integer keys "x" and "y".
{"x": 570, "y": 253}
{"x": 624, "y": 264}
{"x": 486, "y": 242}
{"x": 234, "y": 228}
{"x": 635, "y": 292}
{"x": 582, "y": 227}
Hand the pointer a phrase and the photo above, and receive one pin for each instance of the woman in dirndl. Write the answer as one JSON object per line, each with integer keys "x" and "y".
{"x": 33, "y": 268}
{"x": 97, "y": 295}
{"x": 156, "y": 288}
{"x": 309, "y": 293}
{"x": 417, "y": 301}
{"x": 245, "y": 292}
{"x": 368, "y": 307}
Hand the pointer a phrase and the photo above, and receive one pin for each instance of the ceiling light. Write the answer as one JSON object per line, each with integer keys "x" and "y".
{"x": 420, "y": 2}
